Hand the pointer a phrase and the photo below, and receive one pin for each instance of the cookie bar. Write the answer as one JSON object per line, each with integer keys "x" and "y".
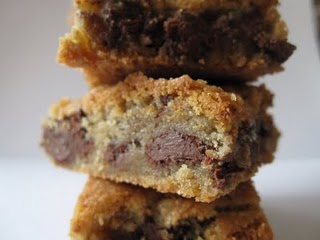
{"x": 167, "y": 38}
{"x": 111, "y": 211}
{"x": 178, "y": 135}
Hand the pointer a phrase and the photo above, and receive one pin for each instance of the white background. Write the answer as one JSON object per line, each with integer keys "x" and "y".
{"x": 39, "y": 206}
{"x": 36, "y": 200}
{"x": 31, "y": 80}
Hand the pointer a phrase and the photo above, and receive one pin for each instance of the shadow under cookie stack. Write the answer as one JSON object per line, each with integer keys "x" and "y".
{"x": 169, "y": 156}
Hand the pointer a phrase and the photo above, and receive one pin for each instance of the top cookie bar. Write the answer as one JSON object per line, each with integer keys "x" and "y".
{"x": 205, "y": 39}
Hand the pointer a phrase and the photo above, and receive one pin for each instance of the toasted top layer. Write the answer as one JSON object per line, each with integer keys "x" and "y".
{"x": 192, "y": 5}
{"x": 225, "y": 107}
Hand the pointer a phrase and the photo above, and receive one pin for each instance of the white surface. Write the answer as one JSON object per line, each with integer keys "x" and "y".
{"x": 31, "y": 80}
{"x": 37, "y": 200}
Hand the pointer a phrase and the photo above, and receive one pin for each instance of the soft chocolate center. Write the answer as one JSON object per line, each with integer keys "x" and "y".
{"x": 127, "y": 23}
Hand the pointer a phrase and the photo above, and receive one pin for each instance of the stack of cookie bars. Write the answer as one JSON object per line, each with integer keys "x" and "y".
{"x": 169, "y": 156}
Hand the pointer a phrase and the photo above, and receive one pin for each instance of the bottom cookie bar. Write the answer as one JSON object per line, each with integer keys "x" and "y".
{"x": 111, "y": 211}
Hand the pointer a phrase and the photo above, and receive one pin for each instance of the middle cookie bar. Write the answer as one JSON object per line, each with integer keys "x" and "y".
{"x": 179, "y": 135}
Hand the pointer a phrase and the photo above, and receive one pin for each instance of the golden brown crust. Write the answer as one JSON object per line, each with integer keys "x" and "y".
{"x": 101, "y": 65}
{"x": 222, "y": 106}
{"x": 107, "y": 209}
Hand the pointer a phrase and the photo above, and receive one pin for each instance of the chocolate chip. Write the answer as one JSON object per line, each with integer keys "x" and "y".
{"x": 280, "y": 51}
{"x": 116, "y": 152}
{"x": 120, "y": 234}
{"x": 67, "y": 140}
{"x": 150, "y": 230}
{"x": 137, "y": 143}
{"x": 165, "y": 99}
{"x": 221, "y": 174}
{"x": 153, "y": 30}
{"x": 190, "y": 229}
{"x": 181, "y": 39}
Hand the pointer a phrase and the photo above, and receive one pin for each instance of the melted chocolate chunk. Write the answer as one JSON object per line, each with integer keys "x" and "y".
{"x": 190, "y": 229}
{"x": 128, "y": 23}
{"x": 153, "y": 30}
{"x": 68, "y": 140}
{"x": 222, "y": 173}
{"x": 181, "y": 39}
{"x": 121, "y": 234}
{"x": 173, "y": 147}
{"x": 165, "y": 99}
{"x": 150, "y": 230}
{"x": 280, "y": 51}
{"x": 123, "y": 20}
{"x": 250, "y": 140}
{"x": 238, "y": 208}
{"x": 116, "y": 152}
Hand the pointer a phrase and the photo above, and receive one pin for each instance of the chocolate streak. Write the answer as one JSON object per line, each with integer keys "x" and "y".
{"x": 67, "y": 140}
{"x": 187, "y": 229}
{"x": 127, "y": 23}
{"x": 116, "y": 153}
{"x": 191, "y": 228}
{"x": 249, "y": 141}
{"x": 147, "y": 230}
